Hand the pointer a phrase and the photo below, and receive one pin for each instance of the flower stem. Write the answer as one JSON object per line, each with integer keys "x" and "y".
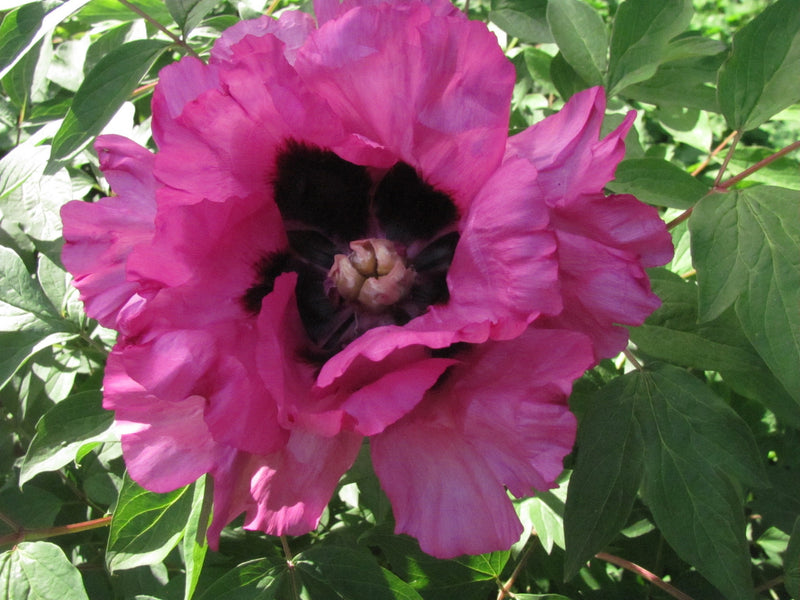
{"x": 506, "y": 588}
{"x": 629, "y": 355}
{"x": 21, "y": 535}
{"x": 651, "y": 577}
{"x": 759, "y": 165}
{"x": 290, "y": 563}
{"x": 728, "y": 158}
{"x": 160, "y": 27}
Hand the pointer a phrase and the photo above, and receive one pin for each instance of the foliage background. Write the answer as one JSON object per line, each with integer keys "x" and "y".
{"x": 685, "y": 479}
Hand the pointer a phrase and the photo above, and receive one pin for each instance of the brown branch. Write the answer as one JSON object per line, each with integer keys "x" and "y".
{"x": 159, "y": 26}
{"x": 23, "y": 535}
{"x": 759, "y": 165}
{"x": 641, "y": 571}
{"x": 714, "y": 152}
{"x": 508, "y": 585}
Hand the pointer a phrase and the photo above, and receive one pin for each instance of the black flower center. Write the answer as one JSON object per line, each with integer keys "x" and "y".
{"x": 369, "y": 248}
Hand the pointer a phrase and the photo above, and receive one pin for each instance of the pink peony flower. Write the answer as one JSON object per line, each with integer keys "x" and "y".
{"x": 337, "y": 240}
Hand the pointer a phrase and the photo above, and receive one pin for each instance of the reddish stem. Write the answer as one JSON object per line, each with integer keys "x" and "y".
{"x": 651, "y": 577}
{"x": 32, "y": 535}
{"x": 714, "y": 152}
{"x": 759, "y": 165}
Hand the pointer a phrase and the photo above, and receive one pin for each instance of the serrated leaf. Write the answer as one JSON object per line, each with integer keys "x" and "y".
{"x": 343, "y": 572}
{"x": 103, "y": 92}
{"x": 694, "y": 443}
{"x": 761, "y": 76}
{"x": 261, "y": 578}
{"x": 639, "y": 39}
{"x": 746, "y": 248}
{"x": 189, "y": 13}
{"x": 60, "y": 433}
{"x": 581, "y": 36}
{"x": 658, "y": 182}
{"x": 146, "y": 526}
{"x": 607, "y": 473}
{"x": 523, "y": 19}
{"x": 41, "y": 571}
{"x": 26, "y": 26}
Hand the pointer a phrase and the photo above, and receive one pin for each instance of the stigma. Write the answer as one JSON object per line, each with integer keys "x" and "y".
{"x": 373, "y": 276}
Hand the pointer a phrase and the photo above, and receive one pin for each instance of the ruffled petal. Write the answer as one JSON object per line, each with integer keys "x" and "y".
{"x": 292, "y": 28}
{"x": 283, "y": 493}
{"x": 451, "y": 127}
{"x": 100, "y": 236}
{"x": 166, "y": 444}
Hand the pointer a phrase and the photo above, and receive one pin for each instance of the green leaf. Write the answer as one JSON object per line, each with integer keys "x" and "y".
{"x": 112, "y": 10}
{"x": 20, "y": 291}
{"x": 40, "y": 571}
{"x": 545, "y": 511}
{"x": 103, "y": 92}
{"x": 565, "y": 78}
{"x": 146, "y": 526}
{"x": 639, "y": 39}
{"x": 189, "y": 13}
{"x": 607, "y": 473}
{"x": 261, "y": 578}
{"x": 781, "y": 172}
{"x": 746, "y": 248}
{"x": 523, "y": 19}
{"x": 17, "y": 347}
{"x": 694, "y": 443}
{"x": 194, "y": 543}
{"x": 30, "y": 196}
{"x": 581, "y": 37}
{"x": 760, "y": 77}
{"x": 60, "y": 433}
{"x": 791, "y": 562}
{"x": 22, "y": 29}
{"x": 466, "y": 578}
{"x": 329, "y": 571}
{"x": 658, "y": 182}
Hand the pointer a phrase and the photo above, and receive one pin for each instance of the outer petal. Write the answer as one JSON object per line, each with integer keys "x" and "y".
{"x": 286, "y": 492}
{"x": 451, "y": 127}
{"x": 166, "y": 444}
{"x": 499, "y": 419}
{"x": 292, "y": 28}
{"x": 100, "y": 236}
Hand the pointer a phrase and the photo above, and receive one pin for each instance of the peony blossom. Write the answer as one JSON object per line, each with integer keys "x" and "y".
{"x": 337, "y": 241}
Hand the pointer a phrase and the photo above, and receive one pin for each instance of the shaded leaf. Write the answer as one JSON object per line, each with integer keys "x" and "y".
{"x": 146, "y": 526}
{"x": 189, "y": 13}
{"x": 607, "y": 473}
{"x": 523, "y": 19}
{"x": 103, "y": 92}
{"x": 746, "y": 248}
{"x": 581, "y": 36}
{"x": 17, "y": 347}
{"x": 693, "y": 444}
{"x": 791, "y": 562}
{"x": 639, "y": 39}
{"x": 343, "y": 572}
{"x": 41, "y": 571}
{"x": 658, "y": 182}
{"x": 760, "y": 77}
{"x": 60, "y": 433}
{"x": 565, "y": 78}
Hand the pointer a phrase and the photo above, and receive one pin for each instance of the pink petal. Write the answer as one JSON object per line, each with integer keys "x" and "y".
{"x": 100, "y": 237}
{"x": 292, "y": 28}
{"x": 283, "y": 493}
{"x": 451, "y": 127}
{"x": 166, "y": 444}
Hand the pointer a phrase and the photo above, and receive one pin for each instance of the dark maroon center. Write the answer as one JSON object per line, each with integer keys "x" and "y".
{"x": 332, "y": 209}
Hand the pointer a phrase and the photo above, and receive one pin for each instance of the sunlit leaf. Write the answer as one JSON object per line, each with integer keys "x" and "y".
{"x": 103, "y": 92}
{"x": 657, "y": 182}
{"x": 146, "y": 525}
{"x": 60, "y": 433}
{"x": 189, "y": 13}
{"x": 261, "y": 578}
{"x": 40, "y": 571}
{"x": 760, "y": 77}
{"x": 194, "y": 544}
{"x": 523, "y": 19}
